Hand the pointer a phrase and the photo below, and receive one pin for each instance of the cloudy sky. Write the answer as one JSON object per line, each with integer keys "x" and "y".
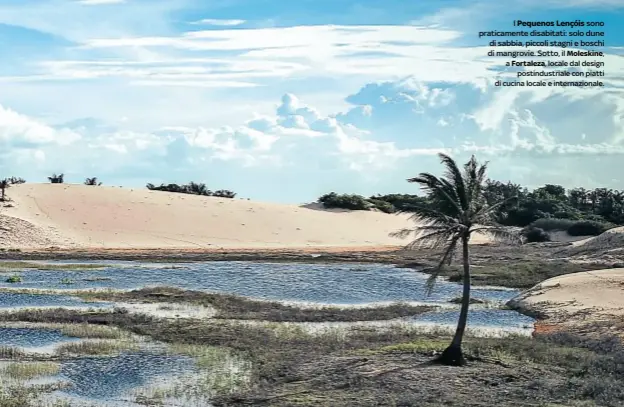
{"x": 286, "y": 100}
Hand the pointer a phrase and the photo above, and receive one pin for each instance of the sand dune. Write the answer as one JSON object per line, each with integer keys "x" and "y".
{"x": 80, "y": 216}
{"x": 609, "y": 242}
{"x": 571, "y": 297}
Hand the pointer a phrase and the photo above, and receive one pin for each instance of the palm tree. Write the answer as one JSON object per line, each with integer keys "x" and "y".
{"x": 4, "y": 184}
{"x": 458, "y": 210}
{"x": 57, "y": 179}
{"x": 92, "y": 181}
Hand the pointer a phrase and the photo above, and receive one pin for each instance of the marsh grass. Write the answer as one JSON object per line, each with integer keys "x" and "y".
{"x": 22, "y": 395}
{"x": 95, "y": 348}
{"x": 520, "y": 275}
{"x": 220, "y": 372}
{"x": 237, "y": 307}
{"x": 89, "y": 331}
{"x": 11, "y": 352}
{"x": 25, "y": 265}
{"x": 30, "y": 370}
{"x": 290, "y": 366}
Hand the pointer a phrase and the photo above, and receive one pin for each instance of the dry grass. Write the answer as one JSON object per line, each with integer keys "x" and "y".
{"x": 95, "y": 348}
{"x": 237, "y": 307}
{"x": 30, "y": 370}
{"x": 92, "y": 331}
{"x": 11, "y": 352}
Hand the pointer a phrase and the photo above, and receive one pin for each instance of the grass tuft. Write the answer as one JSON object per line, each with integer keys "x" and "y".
{"x": 92, "y": 331}
{"x": 95, "y": 348}
{"x": 30, "y": 370}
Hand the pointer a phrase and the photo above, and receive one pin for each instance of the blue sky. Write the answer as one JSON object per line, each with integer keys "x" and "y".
{"x": 283, "y": 101}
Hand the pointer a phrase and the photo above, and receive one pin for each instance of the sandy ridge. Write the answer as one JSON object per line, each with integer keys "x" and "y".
{"x": 80, "y": 216}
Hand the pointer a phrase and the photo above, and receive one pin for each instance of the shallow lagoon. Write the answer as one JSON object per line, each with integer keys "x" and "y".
{"x": 99, "y": 378}
{"x": 344, "y": 284}
{"x": 27, "y": 300}
{"x": 111, "y": 380}
{"x": 336, "y": 284}
{"x": 30, "y": 338}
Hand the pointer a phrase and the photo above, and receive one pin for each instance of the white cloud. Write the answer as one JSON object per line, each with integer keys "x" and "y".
{"x": 19, "y": 130}
{"x": 390, "y": 130}
{"x": 217, "y": 22}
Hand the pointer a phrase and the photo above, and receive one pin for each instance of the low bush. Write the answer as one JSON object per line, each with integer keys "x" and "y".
{"x": 224, "y": 193}
{"x": 16, "y": 180}
{"x": 534, "y": 235}
{"x": 552, "y": 224}
{"x": 345, "y": 201}
{"x": 573, "y": 227}
{"x": 382, "y": 206}
{"x": 588, "y": 228}
{"x": 192, "y": 188}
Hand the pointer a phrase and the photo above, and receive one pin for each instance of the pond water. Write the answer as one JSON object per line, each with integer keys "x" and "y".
{"x": 32, "y": 338}
{"x": 338, "y": 284}
{"x": 344, "y": 284}
{"x": 99, "y": 378}
{"x": 110, "y": 380}
{"x": 28, "y": 300}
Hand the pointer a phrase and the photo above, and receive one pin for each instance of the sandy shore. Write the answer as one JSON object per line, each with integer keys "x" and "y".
{"x": 575, "y": 301}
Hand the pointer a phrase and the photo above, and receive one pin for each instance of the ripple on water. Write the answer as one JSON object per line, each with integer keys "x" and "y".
{"x": 321, "y": 283}
{"x": 112, "y": 378}
{"x": 32, "y": 337}
{"x": 27, "y": 300}
{"x": 335, "y": 284}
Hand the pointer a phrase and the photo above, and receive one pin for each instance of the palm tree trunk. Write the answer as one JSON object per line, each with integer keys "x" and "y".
{"x": 453, "y": 355}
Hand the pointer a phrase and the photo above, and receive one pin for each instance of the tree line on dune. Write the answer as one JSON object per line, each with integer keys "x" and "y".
{"x": 193, "y": 188}
{"x": 578, "y": 211}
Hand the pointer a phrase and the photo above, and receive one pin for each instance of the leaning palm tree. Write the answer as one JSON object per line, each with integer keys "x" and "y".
{"x": 458, "y": 209}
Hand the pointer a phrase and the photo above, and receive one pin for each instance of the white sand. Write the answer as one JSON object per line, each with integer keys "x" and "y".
{"x": 564, "y": 237}
{"x": 168, "y": 310}
{"x": 610, "y": 241}
{"x": 80, "y": 216}
{"x": 599, "y": 292}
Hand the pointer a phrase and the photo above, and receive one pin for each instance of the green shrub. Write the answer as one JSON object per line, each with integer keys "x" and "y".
{"x": 383, "y": 206}
{"x": 192, "y": 188}
{"x": 551, "y": 224}
{"x": 224, "y": 193}
{"x": 402, "y": 202}
{"x": 14, "y": 279}
{"x": 588, "y": 228}
{"x": 345, "y": 201}
{"x": 16, "y": 180}
{"x": 533, "y": 235}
